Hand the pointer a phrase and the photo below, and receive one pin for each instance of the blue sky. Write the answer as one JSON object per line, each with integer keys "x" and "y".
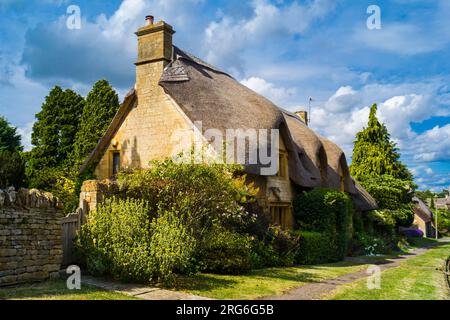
{"x": 286, "y": 50}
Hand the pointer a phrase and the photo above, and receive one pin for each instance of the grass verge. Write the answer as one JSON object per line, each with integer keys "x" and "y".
{"x": 264, "y": 282}
{"x": 418, "y": 278}
{"x": 57, "y": 290}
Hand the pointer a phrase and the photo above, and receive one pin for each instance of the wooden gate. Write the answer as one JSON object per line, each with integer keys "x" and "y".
{"x": 70, "y": 227}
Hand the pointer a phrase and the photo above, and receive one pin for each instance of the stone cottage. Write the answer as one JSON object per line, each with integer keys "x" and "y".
{"x": 175, "y": 91}
{"x": 423, "y": 218}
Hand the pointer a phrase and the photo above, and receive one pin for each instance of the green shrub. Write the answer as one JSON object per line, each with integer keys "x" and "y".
{"x": 264, "y": 255}
{"x": 172, "y": 247}
{"x": 326, "y": 211}
{"x": 278, "y": 248}
{"x": 120, "y": 240}
{"x": 116, "y": 240}
{"x": 202, "y": 194}
{"x": 367, "y": 244}
{"x": 388, "y": 191}
{"x": 225, "y": 252}
{"x": 315, "y": 248}
{"x": 12, "y": 169}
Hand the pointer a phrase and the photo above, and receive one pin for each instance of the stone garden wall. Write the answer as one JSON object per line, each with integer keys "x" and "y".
{"x": 30, "y": 236}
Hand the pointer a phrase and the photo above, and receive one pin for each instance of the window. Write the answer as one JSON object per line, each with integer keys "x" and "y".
{"x": 283, "y": 165}
{"x": 115, "y": 162}
{"x": 280, "y": 216}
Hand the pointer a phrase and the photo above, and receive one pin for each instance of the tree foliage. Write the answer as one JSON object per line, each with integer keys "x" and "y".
{"x": 328, "y": 212}
{"x": 10, "y": 140}
{"x": 374, "y": 153}
{"x": 101, "y": 105}
{"x": 53, "y": 137}
{"x": 12, "y": 166}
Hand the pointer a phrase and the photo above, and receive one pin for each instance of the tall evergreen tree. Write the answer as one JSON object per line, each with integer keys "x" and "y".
{"x": 10, "y": 140}
{"x": 102, "y": 104}
{"x": 12, "y": 166}
{"x": 53, "y": 137}
{"x": 374, "y": 153}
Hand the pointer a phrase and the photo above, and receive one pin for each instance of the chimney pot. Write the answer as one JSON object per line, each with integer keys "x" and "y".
{"x": 150, "y": 20}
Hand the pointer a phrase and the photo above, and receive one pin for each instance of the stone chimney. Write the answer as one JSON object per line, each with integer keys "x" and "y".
{"x": 303, "y": 116}
{"x": 154, "y": 53}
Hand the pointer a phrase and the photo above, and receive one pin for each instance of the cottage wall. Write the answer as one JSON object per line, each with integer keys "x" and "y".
{"x": 155, "y": 124}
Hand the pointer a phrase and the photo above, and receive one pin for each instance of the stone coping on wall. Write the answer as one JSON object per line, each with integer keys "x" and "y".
{"x": 28, "y": 198}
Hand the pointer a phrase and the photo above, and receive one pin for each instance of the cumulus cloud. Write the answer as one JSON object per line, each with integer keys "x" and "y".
{"x": 429, "y": 33}
{"x": 104, "y": 48}
{"x": 25, "y": 134}
{"x": 432, "y": 145}
{"x": 278, "y": 95}
{"x": 227, "y": 38}
{"x": 346, "y": 112}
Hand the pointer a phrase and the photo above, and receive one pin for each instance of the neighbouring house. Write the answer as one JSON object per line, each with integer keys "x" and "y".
{"x": 423, "y": 218}
{"x": 442, "y": 203}
{"x": 176, "y": 91}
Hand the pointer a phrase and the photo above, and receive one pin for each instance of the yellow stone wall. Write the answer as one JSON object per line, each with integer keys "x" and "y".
{"x": 420, "y": 224}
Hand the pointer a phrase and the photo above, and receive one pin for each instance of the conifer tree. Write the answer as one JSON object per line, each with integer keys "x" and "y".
{"x": 12, "y": 166}
{"x": 374, "y": 153}
{"x": 10, "y": 140}
{"x": 53, "y": 137}
{"x": 101, "y": 105}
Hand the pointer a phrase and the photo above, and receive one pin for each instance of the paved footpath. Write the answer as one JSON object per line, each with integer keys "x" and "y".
{"x": 139, "y": 291}
{"x": 315, "y": 291}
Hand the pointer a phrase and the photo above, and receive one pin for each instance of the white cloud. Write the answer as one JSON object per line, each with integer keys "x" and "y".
{"x": 432, "y": 145}
{"x": 227, "y": 38}
{"x": 25, "y": 133}
{"x": 278, "y": 95}
{"x": 104, "y": 48}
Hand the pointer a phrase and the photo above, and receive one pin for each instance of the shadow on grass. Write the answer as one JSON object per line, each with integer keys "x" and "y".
{"x": 207, "y": 282}
{"x": 55, "y": 289}
{"x": 300, "y": 273}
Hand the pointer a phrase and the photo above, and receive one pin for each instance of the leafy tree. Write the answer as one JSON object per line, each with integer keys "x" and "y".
{"x": 432, "y": 204}
{"x": 12, "y": 166}
{"x": 444, "y": 222}
{"x": 101, "y": 105}
{"x": 375, "y": 154}
{"x": 12, "y": 169}
{"x": 53, "y": 137}
{"x": 10, "y": 140}
{"x": 425, "y": 195}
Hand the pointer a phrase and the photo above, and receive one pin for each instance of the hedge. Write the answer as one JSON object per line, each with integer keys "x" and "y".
{"x": 328, "y": 212}
{"x": 315, "y": 248}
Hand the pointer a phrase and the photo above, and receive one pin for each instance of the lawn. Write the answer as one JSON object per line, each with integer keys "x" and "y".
{"x": 264, "y": 282}
{"x": 276, "y": 281}
{"x": 416, "y": 278}
{"x": 419, "y": 278}
{"x": 57, "y": 290}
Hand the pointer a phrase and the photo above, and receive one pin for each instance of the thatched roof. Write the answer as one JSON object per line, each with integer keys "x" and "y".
{"x": 422, "y": 210}
{"x": 211, "y": 96}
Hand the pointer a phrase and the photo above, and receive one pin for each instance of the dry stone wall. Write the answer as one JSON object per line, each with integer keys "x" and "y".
{"x": 30, "y": 236}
